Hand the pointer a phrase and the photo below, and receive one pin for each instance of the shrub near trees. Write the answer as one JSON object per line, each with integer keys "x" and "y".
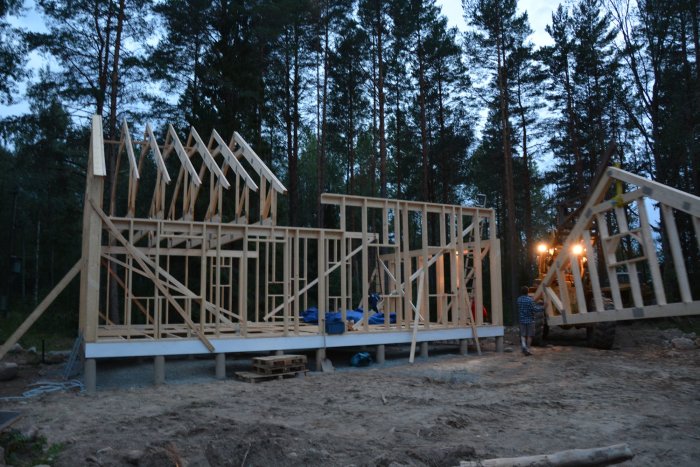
{"x": 367, "y": 97}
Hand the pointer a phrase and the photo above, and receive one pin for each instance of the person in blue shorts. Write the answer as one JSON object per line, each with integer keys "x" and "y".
{"x": 526, "y": 317}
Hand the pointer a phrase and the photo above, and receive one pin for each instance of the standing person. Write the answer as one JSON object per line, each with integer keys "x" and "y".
{"x": 526, "y": 318}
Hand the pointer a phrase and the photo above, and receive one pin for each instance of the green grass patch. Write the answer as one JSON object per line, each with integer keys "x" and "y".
{"x": 22, "y": 451}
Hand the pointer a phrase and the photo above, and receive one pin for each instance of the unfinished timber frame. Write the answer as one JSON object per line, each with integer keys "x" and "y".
{"x": 171, "y": 267}
{"x": 616, "y": 224}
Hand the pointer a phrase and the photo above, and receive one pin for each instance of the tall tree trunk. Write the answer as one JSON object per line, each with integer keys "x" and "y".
{"x": 441, "y": 151}
{"x": 694, "y": 13}
{"x": 397, "y": 143}
{"x": 351, "y": 146}
{"x": 37, "y": 260}
{"x": 104, "y": 37}
{"x": 288, "y": 120}
{"x": 527, "y": 187}
{"x": 511, "y": 250}
{"x": 322, "y": 152}
{"x": 380, "y": 91}
{"x": 571, "y": 128}
{"x": 375, "y": 112}
{"x": 423, "y": 125}
{"x": 114, "y": 308}
{"x": 295, "y": 143}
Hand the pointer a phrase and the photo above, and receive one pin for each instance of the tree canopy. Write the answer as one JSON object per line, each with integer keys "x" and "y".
{"x": 367, "y": 97}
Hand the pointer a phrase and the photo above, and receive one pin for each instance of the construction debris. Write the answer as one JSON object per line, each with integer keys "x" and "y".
{"x": 274, "y": 367}
{"x": 572, "y": 458}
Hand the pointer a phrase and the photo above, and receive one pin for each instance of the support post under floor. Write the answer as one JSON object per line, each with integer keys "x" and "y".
{"x": 499, "y": 344}
{"x": 91, "y": 375}
{"x": 221, "y": 366}
{"x": 463, "y": 347}
{"x": 424, "y": 350}
{"x": 158, "y": 370}
{"x": 381, "y": 353}
{"x": 320, "y": 356}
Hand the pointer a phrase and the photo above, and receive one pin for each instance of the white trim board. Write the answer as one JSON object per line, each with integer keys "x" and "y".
{"x": 135, "y": 348}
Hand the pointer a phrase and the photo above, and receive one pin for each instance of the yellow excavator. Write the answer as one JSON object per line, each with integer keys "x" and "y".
{"x": 599, "y": 335}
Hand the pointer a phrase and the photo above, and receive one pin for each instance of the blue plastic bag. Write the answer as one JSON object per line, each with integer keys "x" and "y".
{"x": 361, "y": 359}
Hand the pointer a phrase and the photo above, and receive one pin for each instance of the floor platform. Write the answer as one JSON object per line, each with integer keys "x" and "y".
{"x": 182, "y": 346}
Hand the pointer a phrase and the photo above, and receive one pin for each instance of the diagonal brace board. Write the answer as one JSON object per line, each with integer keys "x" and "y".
{"x": 36, "y": 314}
{"x": 141, "y": 259}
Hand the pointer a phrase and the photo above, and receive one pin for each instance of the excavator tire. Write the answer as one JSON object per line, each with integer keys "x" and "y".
{"x": 541, "y": 330}
{"x": 601, "y": 335}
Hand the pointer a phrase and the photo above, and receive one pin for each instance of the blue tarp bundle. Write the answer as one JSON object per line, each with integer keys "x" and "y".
{"x": 361, "y": 359}
{"x": 311, "y": 316}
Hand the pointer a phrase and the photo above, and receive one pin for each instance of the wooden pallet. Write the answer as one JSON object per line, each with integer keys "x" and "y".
{"x": 275, "y": 361}
{"x": 278, "y": 370}
{"x": 250, "y": 377}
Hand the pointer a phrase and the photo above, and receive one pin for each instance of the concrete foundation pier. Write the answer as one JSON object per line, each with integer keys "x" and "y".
{"x": 320, "y": 357}
{"x": 91, "y": 375}
{"x": 424, "y": 350}
{"x": 158, "y": 370}
{"x": 463, "y": 347}
{"x": 499, "y": 344}
{"x": 381, "y": 354}
{"x": 221, "y": 366}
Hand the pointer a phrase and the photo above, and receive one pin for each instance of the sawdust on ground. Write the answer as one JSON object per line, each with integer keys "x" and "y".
{"x": 435, "y": 412}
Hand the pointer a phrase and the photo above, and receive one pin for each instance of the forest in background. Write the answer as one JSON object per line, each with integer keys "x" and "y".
{"x": 363, "y": 97}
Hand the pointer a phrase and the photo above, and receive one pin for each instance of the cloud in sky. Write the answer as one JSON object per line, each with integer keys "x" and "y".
{"x": 539, "y": 13}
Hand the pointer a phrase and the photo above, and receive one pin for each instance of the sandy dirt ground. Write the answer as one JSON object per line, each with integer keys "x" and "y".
{"x": 435, "y": 412}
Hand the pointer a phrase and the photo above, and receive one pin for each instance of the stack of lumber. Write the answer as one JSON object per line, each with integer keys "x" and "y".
{"x": 274, "y": 367}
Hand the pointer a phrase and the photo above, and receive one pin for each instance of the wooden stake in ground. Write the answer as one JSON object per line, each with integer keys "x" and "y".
{"x": 607, "y": 455}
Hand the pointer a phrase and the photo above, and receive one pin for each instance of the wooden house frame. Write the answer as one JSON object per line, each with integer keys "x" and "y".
{"x": 170, "y": 267}
{"x": 617, "y": 224}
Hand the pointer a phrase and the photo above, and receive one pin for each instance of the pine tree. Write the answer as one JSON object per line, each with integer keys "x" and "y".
{"x": 348, "y": 99}
{"x": 497, "y": 30}
{"x": 12, "y": 52}
{"x": 585, "y": 95}
{"x": 661, "y": 50}
{"x": 177, "y": 61}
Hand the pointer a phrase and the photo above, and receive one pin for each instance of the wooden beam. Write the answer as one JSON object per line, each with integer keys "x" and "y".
{"x": 141, "y": 259}
{"x": 495, "y": 271}
{"x": 120, "y": 282}
{"x": 41, "y": 308}
{"x": 667, "y": 195}
{"x": 99, "y": 169}
{"x": 208, "y": 159}
{"x": 622, "y": 314}
{"x": 377, "y": 203}
{"x": 593, "y": 271}
{"x": 326, "y": 273}
{"x": 416, "y": 315}
{"x": 676, "y": 253}
{"x": 258, "y": 165}
{"x": 92, "y": 238}
{"x": 160, "y": 163}
{"x": 231, "y": 160}
{"x": 183, "y": 156}
{"x": 129, "y": 146}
